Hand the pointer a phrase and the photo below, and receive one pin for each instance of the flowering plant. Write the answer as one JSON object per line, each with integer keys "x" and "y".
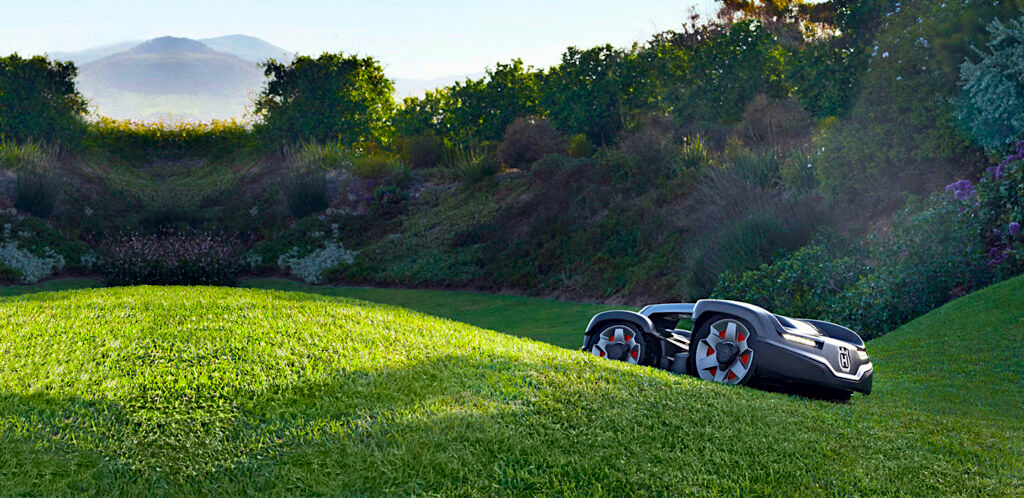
{"x": 998, "y": 202}
{"x": 171, "y": 258}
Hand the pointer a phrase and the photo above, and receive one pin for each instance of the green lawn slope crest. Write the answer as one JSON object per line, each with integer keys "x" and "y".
{"x": 222, "y": 391}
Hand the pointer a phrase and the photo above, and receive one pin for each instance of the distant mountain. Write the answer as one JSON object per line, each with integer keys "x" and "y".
{"x": 249, "y": 48}
{"x": 168, "y": 77}
{"x": 88, "y": 55}
{"x": 171, "y": 78}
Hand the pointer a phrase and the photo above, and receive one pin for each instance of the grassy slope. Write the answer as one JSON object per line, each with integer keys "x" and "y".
{"x": 554, "y": 322}
{"x": 227, "y": 391}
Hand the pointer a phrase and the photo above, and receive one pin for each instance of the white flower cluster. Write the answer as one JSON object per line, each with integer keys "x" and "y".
{"x": 310, "y": 267}
{"x": 91, "y": 261}
{"x": 32, "y": 267}
{"x": 253, "y": 260}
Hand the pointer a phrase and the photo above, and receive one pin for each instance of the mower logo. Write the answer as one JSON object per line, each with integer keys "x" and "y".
{"x": 844, "y": 359}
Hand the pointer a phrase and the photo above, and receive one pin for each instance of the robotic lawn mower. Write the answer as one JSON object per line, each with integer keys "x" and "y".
{"x": 736, "y": 343}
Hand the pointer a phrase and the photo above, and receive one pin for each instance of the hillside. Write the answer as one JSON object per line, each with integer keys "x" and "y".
{"x": 215, "y": 390}
{"x": 176, "y": 77}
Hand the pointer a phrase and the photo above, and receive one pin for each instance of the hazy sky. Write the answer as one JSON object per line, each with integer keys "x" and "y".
{"x": 414, "y": 39}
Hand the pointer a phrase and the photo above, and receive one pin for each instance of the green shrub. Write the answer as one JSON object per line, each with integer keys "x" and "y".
{"x": 305, "y": 192}
{"x": 760, "y": 168}
{"x": 8, "y": 275}
{"x": 37, "y": 192}
{"x": 376, "y": 167}
{"x": 29, "y": 155}
{"x": 527, "y": 140}
{"x": 38, "y": 237}
{"x": 580, "y": 146}
{"x": 804, "y": 283}
{"x": 797, "y": 172}
{"x": 473, "y": 167}
{"x": 311, "y": 266}
{"x": 136, "y": 142}
{"x": 39, "y": 101}
{"x": 933, "y": 254}
{"x": 331, "y": 98}
{"x": 775, "y": 123}
{"x": 422, "y": 151}
{"x": 743, "y": 244}
{"x": 694, "y": 154}
{"x": 1000, "y": 208}
{"x": 311, "y": 155}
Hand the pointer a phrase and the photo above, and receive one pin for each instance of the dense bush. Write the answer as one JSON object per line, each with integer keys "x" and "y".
{"x": 527, "y": 140}
{"x": 137, "y": 141}
{"x": 28, "y": 155}
{"x": 332, "y": 98}
{"x": 36, "y": 192}
{"x": 471, "y": 166}
{"x": 422, "y": 151}
{"x": 39, "y": 238}
{"x": 991, "y": 105}
{"x": 29, "y": 267}
{"x": 311, "y": 266}
{"x": 315, "y": 156}
{"x": 171, "y": 258}
{"x": 999, "y": 204}
{"x": 305, "y": 192}
{"x": 9, "y": 275}
{"x": 39, "y": 102}
{"x": 805, "y": 283}
{"x": 579, "y": 146}
{"x": 901, "y": 134}
{"x": 378, "y": 168}
{"x": 933, "y": 254}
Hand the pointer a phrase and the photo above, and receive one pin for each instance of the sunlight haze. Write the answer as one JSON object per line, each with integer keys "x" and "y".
{"x": 423, "y": 40}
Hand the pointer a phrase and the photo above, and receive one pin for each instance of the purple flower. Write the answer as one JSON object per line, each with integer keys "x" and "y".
{"x": 962, "y": 190}
{"x": 996, "y": 256}
{"x": 1014, "y": 228}
{"x": 998, "y": 170}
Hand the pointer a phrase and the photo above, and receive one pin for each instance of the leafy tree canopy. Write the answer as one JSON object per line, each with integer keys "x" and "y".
{"x": 331, "y": 98}
{"x": 38, "y": 100}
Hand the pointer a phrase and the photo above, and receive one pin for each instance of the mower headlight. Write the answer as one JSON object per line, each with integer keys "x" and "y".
{"x": 800, "y": 340}
{"x": 862, "y": 354}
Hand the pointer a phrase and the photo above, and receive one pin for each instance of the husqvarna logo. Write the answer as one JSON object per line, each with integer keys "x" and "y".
{"x": 844, "y": 359}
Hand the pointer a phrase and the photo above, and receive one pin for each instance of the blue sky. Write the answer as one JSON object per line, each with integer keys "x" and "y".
{"x": 414, "y": 39}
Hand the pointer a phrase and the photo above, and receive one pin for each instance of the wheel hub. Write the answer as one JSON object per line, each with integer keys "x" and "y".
{"x": 726, "y": 353}
{"x": 616, "y": 351}
{"x": 619, "y": 343}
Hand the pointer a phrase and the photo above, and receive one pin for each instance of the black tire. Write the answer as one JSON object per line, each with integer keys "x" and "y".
{"x": 634, "y": 332}
{"x": 704, "y": 331}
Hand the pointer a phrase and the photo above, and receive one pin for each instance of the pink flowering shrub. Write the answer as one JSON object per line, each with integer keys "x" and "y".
{"x": 171, "y": 258}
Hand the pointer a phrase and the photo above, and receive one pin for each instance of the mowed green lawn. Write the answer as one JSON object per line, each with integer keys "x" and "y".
{"x": 555, "y": 322}
{"x": 219, "y": 391}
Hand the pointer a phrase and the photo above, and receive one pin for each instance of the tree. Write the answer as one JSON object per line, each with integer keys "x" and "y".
{"x": 331, "y": 98}
{"x": 38, "y": 100}
{"x": 726, "y": 71}
{"x": 584, "y": 93}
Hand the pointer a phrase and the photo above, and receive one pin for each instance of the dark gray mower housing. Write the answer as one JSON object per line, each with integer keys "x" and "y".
{"x": 735, "y": 343}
